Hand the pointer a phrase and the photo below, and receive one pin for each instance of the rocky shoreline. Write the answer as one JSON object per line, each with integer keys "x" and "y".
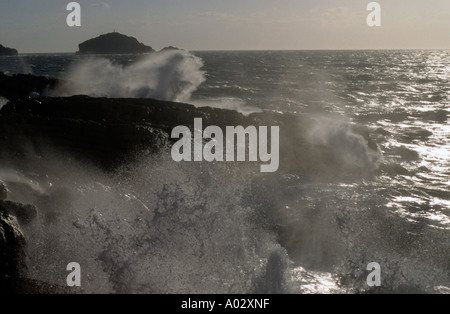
{"x": 112, "y": 132}
{"x": 109, "y": 131}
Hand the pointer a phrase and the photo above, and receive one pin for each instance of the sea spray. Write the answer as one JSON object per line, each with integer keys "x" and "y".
{"x": 154, "y": 226}
{"x": 3, "y": 101}
{"x": 168, "y": 75}
{"x": 350, "y": 144}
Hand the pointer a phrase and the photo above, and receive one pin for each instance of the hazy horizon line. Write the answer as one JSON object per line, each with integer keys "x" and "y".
{"x": 258, "y": 50}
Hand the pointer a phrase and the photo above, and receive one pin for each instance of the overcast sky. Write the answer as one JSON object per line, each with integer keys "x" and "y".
{"x": 40, "y": 26}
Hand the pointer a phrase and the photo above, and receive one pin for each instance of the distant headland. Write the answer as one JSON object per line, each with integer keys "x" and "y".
{"x": 113, "y": 43}
{"x": 4, "y": 51}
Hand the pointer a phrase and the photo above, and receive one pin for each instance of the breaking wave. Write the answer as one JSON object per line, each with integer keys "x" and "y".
{"x": 169, "y": 75}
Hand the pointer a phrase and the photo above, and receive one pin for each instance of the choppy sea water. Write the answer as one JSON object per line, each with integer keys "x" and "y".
{"x": 314, "y": 235}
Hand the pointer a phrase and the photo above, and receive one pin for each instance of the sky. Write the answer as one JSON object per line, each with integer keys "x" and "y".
{"x": 32, "y": 26}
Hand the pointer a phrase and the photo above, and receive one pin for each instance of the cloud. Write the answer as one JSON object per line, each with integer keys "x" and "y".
{"x": 104, "y": 5}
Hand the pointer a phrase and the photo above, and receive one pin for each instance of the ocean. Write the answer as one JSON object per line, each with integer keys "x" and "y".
{"x": 161, "y": 227}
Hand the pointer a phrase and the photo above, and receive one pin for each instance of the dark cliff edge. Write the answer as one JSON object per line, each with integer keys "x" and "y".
{"x": 5, "y": 51}
{"x": 113, "y": 43}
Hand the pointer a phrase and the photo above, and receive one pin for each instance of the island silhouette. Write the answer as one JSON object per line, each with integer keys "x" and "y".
{"x": 113, "y": 43}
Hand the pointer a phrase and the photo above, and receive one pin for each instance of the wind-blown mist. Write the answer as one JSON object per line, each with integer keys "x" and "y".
{"x": 3, "y": 101}
{"x": 169, "y": 75}
{"x": 351, "y": 149}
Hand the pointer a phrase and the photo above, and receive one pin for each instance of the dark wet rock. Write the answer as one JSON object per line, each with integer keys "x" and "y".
{"x": 5, "y": 51}
{"x": 13, "y": 269}
{"x": 24, "y": 85}
{"x": 12, "y": 251}
{"x": 3, "y": 191}
{"x": 105, "y": 131}
{"x": 25, "y": 214}
{"x": 113, "y": 43}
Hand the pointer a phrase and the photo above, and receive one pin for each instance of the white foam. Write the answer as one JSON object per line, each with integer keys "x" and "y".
{"x": 226, "y": 103}
{"x": 3, "y": 101}
{"x": 170, "y": 75}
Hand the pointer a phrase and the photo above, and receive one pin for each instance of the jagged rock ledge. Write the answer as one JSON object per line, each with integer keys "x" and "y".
{"x": 110, "y": 132}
